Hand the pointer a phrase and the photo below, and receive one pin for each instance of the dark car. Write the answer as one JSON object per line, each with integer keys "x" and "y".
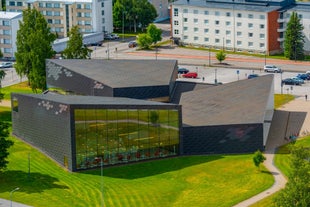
{"x": 182, "y": 71}
{"x": 291, "y": 81}
{"x": 6, "y": 65}
{"x": 304, "y": 76}
{"x": 252, "y": 76}
{"x": 132, "y": 44}
{"x": 190, "y": 75}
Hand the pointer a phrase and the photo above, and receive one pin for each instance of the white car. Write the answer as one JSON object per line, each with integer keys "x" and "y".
{"x": 272, "y": 68}
{"x": 6, "y": 65}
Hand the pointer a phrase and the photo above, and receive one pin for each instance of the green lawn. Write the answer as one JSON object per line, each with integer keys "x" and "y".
{"x": 182, "y": 181}
{"x": 282, "y": 162}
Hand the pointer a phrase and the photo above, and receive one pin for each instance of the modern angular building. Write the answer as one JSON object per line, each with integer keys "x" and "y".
{"x": 123, "y": 111}
{"x": 81, "y": 132}
{"x": 254, "y": 26}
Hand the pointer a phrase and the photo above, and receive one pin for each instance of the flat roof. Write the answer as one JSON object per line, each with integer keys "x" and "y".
{"x": 258, "y": 5}
{"x": 92, "y": 100}
{"x": 9, "y": 15}
{"x": 238, "y": 102}
{"x": 122, "y": 73}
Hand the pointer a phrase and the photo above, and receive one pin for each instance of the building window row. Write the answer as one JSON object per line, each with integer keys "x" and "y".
{"x": 49, "y": 5}
{"x": 81, "y": 14}
{"x": 83, "y": 6}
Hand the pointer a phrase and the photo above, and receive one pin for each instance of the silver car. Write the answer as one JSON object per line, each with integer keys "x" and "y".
{"x": 272, "y": 68}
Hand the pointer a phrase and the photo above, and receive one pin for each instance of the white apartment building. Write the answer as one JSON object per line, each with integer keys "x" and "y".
{"x": 254, "y": 26}
{"x": 9, "y": 24}
{"x": 91, "y": 16}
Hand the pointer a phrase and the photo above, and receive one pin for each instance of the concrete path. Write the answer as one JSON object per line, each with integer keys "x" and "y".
{"x": 7, "y": 203}
{"x": 276, "y": 139}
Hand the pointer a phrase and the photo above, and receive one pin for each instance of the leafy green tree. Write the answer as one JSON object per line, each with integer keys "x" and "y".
{"x": 294, "y": 39}
{"x": 220, "y": 56}
{"x": 34, "y": 46}
{"x": 144, "y": 41}
{"x": 258, "y": 158}
{"x": 5, "y": 144}
{"x": 297, "y": 189}
{"x": 133, "y": 13}
{"x": 2, "y": 75}
{"x": 75, "y": 48}
{"x": 154, "y": 33}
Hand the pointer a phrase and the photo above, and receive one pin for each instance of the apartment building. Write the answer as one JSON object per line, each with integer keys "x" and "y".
{"x": 8, "y": 31}
{"x": 90, "y": 15}
{"x": 254, "y": 26}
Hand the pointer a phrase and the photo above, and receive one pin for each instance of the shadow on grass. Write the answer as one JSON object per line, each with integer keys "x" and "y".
{"x": 28, "y": 183}
{"x": 152, "y": 167}
{"x": 5, "y": 115}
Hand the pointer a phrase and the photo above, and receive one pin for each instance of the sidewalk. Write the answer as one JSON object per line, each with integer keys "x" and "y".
{"x": 297, "y": 105}
{"x": 7, "y": 203}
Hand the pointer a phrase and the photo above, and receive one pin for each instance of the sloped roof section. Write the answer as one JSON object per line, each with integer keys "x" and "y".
{"x": 238, "y": 102}
{"x": 122, "y": 73}
{"x": 92, "y": 100}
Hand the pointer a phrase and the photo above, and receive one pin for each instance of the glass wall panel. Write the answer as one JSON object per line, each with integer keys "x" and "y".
{"x": 111, "y": 136}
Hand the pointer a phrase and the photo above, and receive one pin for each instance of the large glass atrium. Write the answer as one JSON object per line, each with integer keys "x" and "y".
{"x": 113, "y": 136}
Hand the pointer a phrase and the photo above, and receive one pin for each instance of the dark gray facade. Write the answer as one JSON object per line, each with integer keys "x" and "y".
{"x": 50, "y": 122}
{"x": 147, "y": 79}
{"x": 226, "y": 139}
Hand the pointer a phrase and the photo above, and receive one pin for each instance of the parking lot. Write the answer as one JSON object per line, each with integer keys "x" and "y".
{"x": 226, "y": 75}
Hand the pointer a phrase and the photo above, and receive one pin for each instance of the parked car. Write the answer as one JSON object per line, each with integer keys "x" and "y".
{"x": 182, "y": 71}
{"x": 301, "y": 81}
{"x": 252, "y": 76}
{"x": 190, "y": 75}
{"x": 304, "y": 76}
{"x": 132, "y": 44}
{"x": 108, "y": 37}
{"x": 290, "y": 81}
{"x": 308, "y": 72}
{"x": 6, "y": 65}
{"x": 115, "y": 36}
{"x": 272, "y": 68}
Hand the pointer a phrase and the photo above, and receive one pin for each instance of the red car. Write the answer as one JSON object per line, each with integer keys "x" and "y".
{"x": 190, "y": 75}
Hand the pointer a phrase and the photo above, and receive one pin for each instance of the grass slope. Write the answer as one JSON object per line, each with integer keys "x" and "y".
{"x": 182, "y": 181}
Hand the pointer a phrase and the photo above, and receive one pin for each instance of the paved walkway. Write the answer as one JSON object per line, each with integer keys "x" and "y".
{"x": 276, "y": 139}
{"x": 7, "y": 203}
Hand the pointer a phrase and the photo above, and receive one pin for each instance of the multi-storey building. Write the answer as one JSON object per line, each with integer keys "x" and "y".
{"x": 255, "y": 26}
{"x": 90, "y": 15}
{"x": 8, "y": 30}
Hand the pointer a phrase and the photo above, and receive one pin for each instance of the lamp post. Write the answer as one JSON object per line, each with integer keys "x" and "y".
{"x": 209, "y": 56}
{"x": 11, "y": 194}
{"x": 265, "y": 57}
{"x": 215, "y": 76}
{"x": 281, "y": 83}
{"x": 123, "y": 26}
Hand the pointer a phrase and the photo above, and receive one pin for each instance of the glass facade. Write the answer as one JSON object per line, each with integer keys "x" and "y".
{"x": 113, "y": 136}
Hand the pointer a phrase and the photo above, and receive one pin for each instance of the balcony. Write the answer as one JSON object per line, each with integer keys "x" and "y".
{"x": 281, "y": 20}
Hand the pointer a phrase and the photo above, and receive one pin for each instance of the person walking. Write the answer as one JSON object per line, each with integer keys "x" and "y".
{"x": 306, "y": 97}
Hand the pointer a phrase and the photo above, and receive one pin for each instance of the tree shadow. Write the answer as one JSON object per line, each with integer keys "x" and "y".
{"x": 5, "y": 116}
{"x": 152, "y": 167}
{"x": 28, "y": 183}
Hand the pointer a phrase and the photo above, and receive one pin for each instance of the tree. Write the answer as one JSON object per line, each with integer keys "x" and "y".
{"x": 294, "y": 39}
{"x": 297, "y": 189}
{"x": 34, "y": 45}
{"x": 133, "y": 13}
{"x": 75, "y": 48}
{"x": 220, "y": 56}
{"x": 144, "y": 41}
{"x": 5, "y": 144}
{"x": 258, "y": 158}
{"x": 154, "y": 33}
{"x": 2, "y": 75}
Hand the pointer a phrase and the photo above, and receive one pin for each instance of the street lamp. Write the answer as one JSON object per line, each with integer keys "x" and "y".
{"x": 215, "y": 76}
{"x": 265, "y": 56}
{"x": 281, "y": 83}
{"x": 123, "y": 28}
{"x": 11, "y": 194}
{"x": 209, "y": 56}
